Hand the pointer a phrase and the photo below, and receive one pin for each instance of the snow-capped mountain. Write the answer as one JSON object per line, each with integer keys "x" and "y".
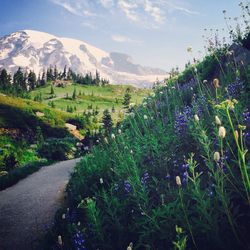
{"x": 36, "y": 51}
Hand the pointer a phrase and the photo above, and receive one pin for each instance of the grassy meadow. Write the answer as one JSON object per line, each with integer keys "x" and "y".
{"x": 91, "y": 97}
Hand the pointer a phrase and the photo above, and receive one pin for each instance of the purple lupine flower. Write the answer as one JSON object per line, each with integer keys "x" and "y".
{"x": 235, "y": 89}
{"x": 167, "y": 177}
{"x": 116, "y": 186}
{"x": 181, "y": 121}
{"x": 145, "y": 178}
{"x": 185, "y": 177}
{"x": 246, "y": 120}
{"x": 127, "y": 187}
{"x": 78, "y": 241}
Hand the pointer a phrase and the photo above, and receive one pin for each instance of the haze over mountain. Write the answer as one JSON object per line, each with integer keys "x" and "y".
{"x": 34, "y": 50}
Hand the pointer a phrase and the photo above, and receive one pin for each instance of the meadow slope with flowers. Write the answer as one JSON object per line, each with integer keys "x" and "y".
{"x": 175, "y": 173}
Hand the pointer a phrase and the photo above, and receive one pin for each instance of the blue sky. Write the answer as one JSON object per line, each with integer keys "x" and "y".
{"x": 154, "y": 32}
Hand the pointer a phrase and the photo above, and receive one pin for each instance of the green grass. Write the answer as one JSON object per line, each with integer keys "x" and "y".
{"x": 101, "y": 97}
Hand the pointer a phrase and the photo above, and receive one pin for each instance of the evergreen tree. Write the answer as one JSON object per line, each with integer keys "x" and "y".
{"x": 43, "y": 80}
{"x": 19, "y": 82}
{"x": 64, "y": 74}
{"x": 55, "y": 76}
{"x": 97, "y": 80}
{"x": 107, "y": 121}
{"x": 32, "y": 80}
{"x": 49, "y": 74}
{"x": 53, "y": 105}
{"x": 52, "y": 92}
{"x": 126, "y": 99}
{"x": 74, "y": 94}
{"x": 5, "y": 80}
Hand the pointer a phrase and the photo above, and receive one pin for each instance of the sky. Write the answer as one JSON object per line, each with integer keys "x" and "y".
{"x": 155, "y": 33}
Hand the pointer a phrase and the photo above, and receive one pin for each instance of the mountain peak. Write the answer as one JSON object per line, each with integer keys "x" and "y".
{"x": 36, "y": 50}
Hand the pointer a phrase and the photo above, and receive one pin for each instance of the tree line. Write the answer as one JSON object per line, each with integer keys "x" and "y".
{"x": 22, "y": 81}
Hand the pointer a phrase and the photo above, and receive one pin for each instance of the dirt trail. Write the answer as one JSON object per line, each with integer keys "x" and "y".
{"x": 28, "y": 207}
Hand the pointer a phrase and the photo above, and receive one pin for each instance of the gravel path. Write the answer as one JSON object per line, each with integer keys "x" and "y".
{"x": 29, "y": 206}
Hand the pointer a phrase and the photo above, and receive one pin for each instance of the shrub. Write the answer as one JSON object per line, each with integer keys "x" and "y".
{"x": 57, "y": 149}
{"x": 11, "y": 178}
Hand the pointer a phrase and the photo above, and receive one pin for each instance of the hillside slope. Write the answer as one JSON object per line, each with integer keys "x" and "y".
{"x": 173, "y": 172}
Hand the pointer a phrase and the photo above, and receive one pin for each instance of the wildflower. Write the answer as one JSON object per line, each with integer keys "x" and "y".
{"x": 204, "y": 81}
{"x": 113, "y": 136}
{"x": 119, "y": 131}
{"x": 79, "y": 223}
{"x": 106, "y": 140}
{"x": 145, "y": 178}
{"x": 78, "y": 240}
{"x": 145, "y": 117}
{"x": 130, "y": 246}
{"x": 235, "y": 89}
{"x": 131, "y": 151}
{"x": 63, "y": 216}
{"x": 230, "y": 52}
{"x": 216, "y": 156}
{"x": 196, "y": 118}
{"x": 217, "y": 120}
{"x": 127, "y": 187}
{"x": 195, "y": 70}
{"x": 216, "y": 83}
{"x": 189, "y": 49}
{"x": 178, "y": 180}
{"x": 101, "y": 180}
{"x": 59, "y": 240}
{"x": 222, "y": 132}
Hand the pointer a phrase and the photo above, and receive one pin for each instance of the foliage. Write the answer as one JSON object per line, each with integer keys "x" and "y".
{"x": 19, "y": 173}
{"x": 181, "y": 159}
{"x": 55, "y": 149}
{"x": 107, "y": 121}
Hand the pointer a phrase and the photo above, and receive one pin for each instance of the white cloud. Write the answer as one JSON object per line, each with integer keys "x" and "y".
{"x": 182, "y": 9}
{"x": 106, "y": 3}
{"x": 129, "y": 8}
{"x": 67, "y": 6}
{"x": 146, "y": 13}
{"x": 154, "y": 11}
{"x": 124, "y": 39}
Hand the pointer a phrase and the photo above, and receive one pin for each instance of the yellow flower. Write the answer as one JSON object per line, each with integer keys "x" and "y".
{"x": 217, "y": 120}
{"x": 178, "y": 180}
{"x": 222, "y": 132}
{"x": 216, "y": 156}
